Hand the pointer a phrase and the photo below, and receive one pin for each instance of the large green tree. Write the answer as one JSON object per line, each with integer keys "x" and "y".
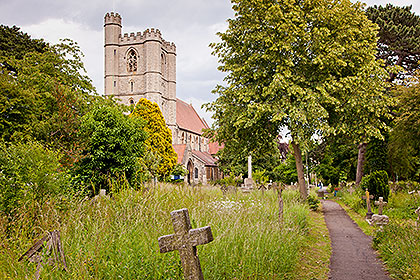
{"x": 399, "y": 38}
{"x": 306, "y": 65}
{"x": 44, "y": 91}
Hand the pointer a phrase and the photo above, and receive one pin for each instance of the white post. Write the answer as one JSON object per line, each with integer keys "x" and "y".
{"x": 249, "y": 166}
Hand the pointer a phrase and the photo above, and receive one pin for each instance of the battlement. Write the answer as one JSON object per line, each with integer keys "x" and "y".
{"x": 112, "y": 18}
{"x": 148, "y": 34}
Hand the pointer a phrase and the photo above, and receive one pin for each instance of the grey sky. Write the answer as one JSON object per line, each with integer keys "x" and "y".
{"x": 190, "y": 24}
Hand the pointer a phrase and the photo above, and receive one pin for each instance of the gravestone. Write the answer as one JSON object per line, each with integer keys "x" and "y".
{"x": 369, "y": 209}
{"x": 185, "y": 239}
{"x": 262, "y": 188}
{"x": 418, "y": 218}
{"x": 381, "y": 203}
{"x": 37, "y": 253}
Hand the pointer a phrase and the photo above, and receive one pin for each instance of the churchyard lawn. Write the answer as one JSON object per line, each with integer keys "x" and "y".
{"x": 117, "y": 237}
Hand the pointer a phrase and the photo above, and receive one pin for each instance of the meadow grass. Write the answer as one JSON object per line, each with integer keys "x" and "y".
{"x": 116, "y": 237}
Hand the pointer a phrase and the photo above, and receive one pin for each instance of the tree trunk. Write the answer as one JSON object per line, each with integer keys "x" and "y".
{"x": 300, "y": 171}
{"x": 360, "y": 162}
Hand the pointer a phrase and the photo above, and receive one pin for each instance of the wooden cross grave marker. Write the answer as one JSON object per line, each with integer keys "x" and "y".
{"x": 185, "y": 239}
{"x": 369, "y": 209}
{"x": 381, "y": 203}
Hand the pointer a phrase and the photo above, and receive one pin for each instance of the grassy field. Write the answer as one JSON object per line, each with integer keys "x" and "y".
{"x": 116, "y": 237}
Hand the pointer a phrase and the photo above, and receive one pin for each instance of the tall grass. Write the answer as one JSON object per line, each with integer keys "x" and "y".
{"x": 116, "y": 237}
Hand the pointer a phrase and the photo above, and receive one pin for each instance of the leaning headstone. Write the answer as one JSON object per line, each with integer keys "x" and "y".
{"x": 369, "y": 209}
{"x": 379, "y": 220}
{"x": 185, "y": 239}
{"x": 102, "y": 192}
{"x": 52, "y": 242}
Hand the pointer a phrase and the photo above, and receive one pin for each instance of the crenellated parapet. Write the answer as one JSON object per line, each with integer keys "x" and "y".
{"x": 148, "y": 35}
{"x": 111, "y": 18}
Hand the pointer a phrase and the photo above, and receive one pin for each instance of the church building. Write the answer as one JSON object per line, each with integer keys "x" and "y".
{"x": 143, "y": 65}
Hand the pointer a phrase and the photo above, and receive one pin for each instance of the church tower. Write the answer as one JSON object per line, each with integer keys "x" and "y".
{"x": 141, "y": 65}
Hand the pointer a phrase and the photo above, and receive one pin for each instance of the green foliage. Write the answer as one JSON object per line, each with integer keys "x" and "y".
{"x": 44, "y": 96}
{"x": 308, "y": 66}
{"x": 377, "y": 184}
{"x": 113, "y": 144}
{"x": 399, "y": 37}
{"x": 286, "y": 172}
{"x": 260, "y": 176}
{"x": 313, "y": 202}
{"x": 15, "y": 44}
{"x": 28, "y": 172}
{"x": 376, "y": 156}
{"x": 404, "y": 143}
{"x": 159, "y": 140}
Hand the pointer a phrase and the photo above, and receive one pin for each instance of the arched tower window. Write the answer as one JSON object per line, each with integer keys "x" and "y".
{"x": 163, "y": 63}
{"x": 131, "y": 101}
{"x": 132, "y": 86}
{"x": 131, "y": 61}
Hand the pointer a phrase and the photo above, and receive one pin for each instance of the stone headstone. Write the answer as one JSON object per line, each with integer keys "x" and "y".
{"x": 185, "y": 239}
{"x": 381, "y": 203}
{"x": 102, "y": 192}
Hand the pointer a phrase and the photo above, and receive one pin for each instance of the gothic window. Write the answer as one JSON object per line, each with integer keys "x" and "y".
{"x": 131, "y": 86}
{"x": 115, "y": 83}
{"x": 131, "y": 102}
{"x": 196, "y": 173}
{"x": 131, "y": 61}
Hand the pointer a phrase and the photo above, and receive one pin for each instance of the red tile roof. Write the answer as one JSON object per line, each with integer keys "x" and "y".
{"x": 180, "y": 150}
{"x": 205, "y": 157}
{"x": 188, "y": 119}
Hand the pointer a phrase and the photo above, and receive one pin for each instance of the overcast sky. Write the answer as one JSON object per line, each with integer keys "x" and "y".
{"x": 190, "y": 24}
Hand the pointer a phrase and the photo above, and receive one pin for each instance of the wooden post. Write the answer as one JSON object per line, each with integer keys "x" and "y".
{"x": 185, "y": 241}
{"x": 52, "y": 242}
{"x": 279, "y": 189}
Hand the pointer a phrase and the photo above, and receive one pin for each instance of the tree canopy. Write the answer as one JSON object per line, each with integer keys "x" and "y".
{"x": 308, "y": 65}
{"x": 399, "y": 37}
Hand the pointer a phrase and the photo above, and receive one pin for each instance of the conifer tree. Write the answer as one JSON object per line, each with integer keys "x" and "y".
{"x": 159, "y": 140}
{"x": 399, "y": 37}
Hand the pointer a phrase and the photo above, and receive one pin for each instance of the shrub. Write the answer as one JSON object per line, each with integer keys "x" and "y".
{"x": 28, "y": 172}
{"x": 113, "y": 145}
{"x": 159, "y": 140}
{"x": 377, "y": 184}
{"x": 313, "y": 202}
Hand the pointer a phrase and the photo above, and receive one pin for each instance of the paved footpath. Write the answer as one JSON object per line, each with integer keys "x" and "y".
{"x": 352, "y": 255}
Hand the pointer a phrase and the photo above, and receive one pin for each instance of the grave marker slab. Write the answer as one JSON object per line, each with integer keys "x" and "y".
{"x": 185, "y": 239}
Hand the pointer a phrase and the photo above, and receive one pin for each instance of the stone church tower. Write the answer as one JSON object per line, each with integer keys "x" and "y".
{"x": 141, "y": 65}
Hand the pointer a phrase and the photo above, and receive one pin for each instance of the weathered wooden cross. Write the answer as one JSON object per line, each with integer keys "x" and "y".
{"x": 185, "y": 239}
{"x": 381, "y": 203}
{"x": 369, "y": 209}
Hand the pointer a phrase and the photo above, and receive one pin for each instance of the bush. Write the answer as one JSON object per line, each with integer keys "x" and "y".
{"x": 113, "y": 146}
{"x": 313, "y": 202}
{"x": 28, "y": 172}
{"x": 159, "y": 141}
{"x": 377, "y": 184}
